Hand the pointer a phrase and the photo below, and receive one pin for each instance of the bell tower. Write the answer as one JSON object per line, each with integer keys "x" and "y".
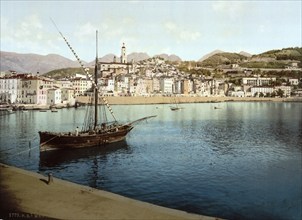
{"x": 123, "y": 54}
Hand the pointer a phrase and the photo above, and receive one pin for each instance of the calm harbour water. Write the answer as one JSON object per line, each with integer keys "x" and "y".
{"x": 242, "y": 161}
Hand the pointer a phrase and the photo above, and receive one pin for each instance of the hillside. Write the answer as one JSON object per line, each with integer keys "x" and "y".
{"x": 283, "y": 54}
{"x": 222, "y": 59}
{"x": 33, "y": 63}
{"x": 275, "y": 58}
{"x": 209, "y": 55}
{"x": 66, "y": 73}
{"x": 172, "y": 57}
{"x": 137, "y": 57}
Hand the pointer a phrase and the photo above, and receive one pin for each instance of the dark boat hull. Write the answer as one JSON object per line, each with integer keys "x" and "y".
{"x": 68, "y": 140}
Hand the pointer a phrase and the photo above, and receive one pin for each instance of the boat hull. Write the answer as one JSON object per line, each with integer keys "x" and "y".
{"x": 68, "y": 140}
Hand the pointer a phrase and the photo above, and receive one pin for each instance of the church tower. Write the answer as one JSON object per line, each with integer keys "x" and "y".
{"x": 123, "y": 54}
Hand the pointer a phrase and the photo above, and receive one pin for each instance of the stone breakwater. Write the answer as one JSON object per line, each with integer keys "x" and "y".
{"x": 141, "y": 100}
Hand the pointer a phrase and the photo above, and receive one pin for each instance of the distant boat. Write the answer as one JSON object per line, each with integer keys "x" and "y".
{"x": 53, "y": 110}
{"x": 93, "y": 132}
{"x": 6, "y": 111}
{"x": 176, "y": 107}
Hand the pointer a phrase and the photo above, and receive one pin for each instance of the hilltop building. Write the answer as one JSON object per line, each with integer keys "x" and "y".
{"x": 115, "y": 67}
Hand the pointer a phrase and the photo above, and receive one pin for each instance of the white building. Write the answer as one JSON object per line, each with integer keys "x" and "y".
{"x": 286, "y": 90}
{"x": 236, "y": 94}
{"x": 10, "y": 88}
{"x": 166, "y": 85}
{"x": 257, "y": 81}
{"x": 141, "y": 88}
{"x": 54, "y": 96}
{"x": 264, "y": 90}
{"x": 294, "y": 82}
{"x": 203, "y": 89}
{"x": 155, "y": 85}
{"x": 81, "y": 85}
{"x": 178, "y": 87}
{"x": 68, "y": 96}
{"x": 34, "y": 89}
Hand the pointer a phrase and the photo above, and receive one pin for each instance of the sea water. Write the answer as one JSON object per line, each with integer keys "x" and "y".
{"x": 234, "y": 160}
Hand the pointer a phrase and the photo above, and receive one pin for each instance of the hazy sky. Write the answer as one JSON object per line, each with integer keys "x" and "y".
{"x": 189, "y": 29}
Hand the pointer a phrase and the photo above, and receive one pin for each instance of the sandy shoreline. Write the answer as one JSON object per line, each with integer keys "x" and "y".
{"x": 140, "y": 100}
{"x": 26, "y": 194}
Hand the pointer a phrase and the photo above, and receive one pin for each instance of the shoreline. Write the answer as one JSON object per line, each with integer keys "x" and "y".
{"x": 147, "y": 100}
{"x": 27, "y": 194}
{"x": 141, "y": 100}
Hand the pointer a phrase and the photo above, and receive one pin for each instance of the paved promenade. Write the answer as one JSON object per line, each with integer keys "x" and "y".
{"x": 28, "y": 195}
{"x": 141, "y": 100}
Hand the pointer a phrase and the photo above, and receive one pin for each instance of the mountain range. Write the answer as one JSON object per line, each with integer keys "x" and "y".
{"x": 33, "y": 63}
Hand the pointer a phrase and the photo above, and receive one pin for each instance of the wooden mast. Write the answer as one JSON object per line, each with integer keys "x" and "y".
{"x": 96, "y": 97}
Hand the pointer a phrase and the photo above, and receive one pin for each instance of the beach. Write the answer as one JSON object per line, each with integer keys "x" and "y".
{"x": 26, "y": 194}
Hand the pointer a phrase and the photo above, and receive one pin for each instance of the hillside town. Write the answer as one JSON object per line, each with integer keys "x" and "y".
{"x": 151, "y": 77}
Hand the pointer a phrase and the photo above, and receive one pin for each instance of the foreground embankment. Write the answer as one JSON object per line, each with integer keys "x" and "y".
{"x": 141, "y": 100}
{"x": 29, "y": 195}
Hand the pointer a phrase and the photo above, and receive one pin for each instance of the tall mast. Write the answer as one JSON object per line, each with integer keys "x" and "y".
{"x": 95, "y": 86}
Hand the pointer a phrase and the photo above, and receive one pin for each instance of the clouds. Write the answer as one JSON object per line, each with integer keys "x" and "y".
{"x": 27, "y": 35}
{"x": 230, "y": 9}
{"x": 186, "y": 28}
{"x": 180, "y": 33}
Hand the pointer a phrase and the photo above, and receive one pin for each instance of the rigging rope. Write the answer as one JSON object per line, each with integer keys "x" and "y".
{"x": 85, "y": 70}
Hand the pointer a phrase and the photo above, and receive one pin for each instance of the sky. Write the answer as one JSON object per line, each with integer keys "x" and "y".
{"x": 189, "y": 29}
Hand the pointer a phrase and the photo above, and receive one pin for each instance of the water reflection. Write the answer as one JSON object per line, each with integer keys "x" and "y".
{"x": 241, "y": 161}
{"x": 55, "y": 158}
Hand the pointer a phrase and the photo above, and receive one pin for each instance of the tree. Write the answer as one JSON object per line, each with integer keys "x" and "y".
{"x": 280, "y": 93}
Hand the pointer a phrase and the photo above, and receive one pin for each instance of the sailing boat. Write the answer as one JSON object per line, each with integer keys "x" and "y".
{"x": 176, "y": 107}
{"x": 92, "y": 133}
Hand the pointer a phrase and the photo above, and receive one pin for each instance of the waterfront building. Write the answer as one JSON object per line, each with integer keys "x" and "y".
{"x": 217, "y": 87}
{"x": 166, "y": 85}
{"x": 34, "y": 89}
{"x": 123, "y": 84}
{"x": 236, "y": 93}
{"x": 178, "y": 87}
{"x": 286, "y": 90}
{"x": 264, "y": 90}
{"x": 132, "y": 86}
{"x": 54, "y": 96}
{"x": 141, "y": 88}
{"x": 81, "y": 85}
{"x": 155, "y": 85}
{"x": 203, "y": 88}
{"x": 149, "y": 86}
{"x": 10, "y": 88}
{"x": 68, "y": 96}
{"x": 187, "y": 86}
